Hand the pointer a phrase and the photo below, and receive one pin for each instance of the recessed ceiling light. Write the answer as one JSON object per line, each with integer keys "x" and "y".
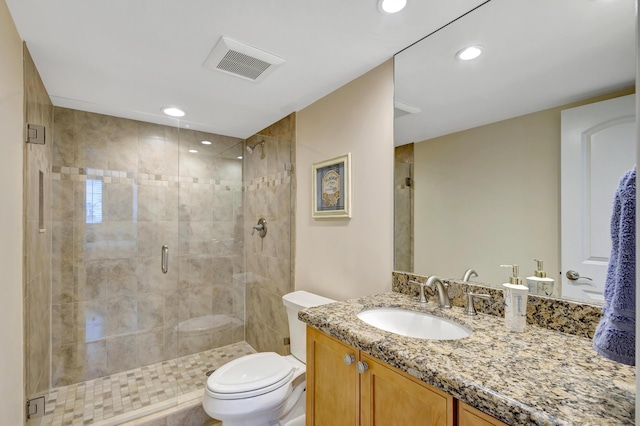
{"x": 193, "y": 150}
{"x": 174, "y": 111}
{"x": 206, "y": 142}
{"x": 391, "y": 6}
{"x": 239, "y": 157}
{"x": 469, "y": 53}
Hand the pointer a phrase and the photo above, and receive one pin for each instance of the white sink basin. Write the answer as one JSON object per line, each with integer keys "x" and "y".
{"x": 414, "y": 324}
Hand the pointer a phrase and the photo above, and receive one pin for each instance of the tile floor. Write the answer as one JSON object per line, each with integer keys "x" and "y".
{"x": 112, "y": 397}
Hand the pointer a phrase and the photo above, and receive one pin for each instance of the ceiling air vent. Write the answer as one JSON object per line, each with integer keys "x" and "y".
{"x": 235, "y": 58}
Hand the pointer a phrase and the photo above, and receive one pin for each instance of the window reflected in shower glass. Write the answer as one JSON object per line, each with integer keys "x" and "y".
{"x": 95, "y": 327}
{"x": 94, "y": 201}
{"x": 41, "y": 200}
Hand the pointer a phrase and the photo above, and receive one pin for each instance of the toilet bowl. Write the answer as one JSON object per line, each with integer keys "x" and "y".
{"x": 265, "y": 389}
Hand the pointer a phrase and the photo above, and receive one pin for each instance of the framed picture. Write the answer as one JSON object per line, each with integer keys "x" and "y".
{"x": 332, "y": 188}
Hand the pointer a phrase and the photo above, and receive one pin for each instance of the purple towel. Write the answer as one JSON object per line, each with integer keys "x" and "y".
{"x": 615, "y": 336}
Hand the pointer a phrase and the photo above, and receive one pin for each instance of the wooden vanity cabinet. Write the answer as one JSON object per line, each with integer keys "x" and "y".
{"x": 332, "y": 386}
{"x": 389, "y": 396}
{"x": 382, "y": 395}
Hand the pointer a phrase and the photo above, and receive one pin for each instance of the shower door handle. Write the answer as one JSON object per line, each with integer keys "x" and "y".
{"x": 165, "y": 259}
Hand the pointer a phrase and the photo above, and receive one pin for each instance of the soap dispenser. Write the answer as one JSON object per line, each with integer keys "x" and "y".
{"x": 539, "y": 283}
{"x": 515, "y": 301}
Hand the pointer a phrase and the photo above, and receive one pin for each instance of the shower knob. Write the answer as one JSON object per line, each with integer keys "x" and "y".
{"x": 261, "y": 227}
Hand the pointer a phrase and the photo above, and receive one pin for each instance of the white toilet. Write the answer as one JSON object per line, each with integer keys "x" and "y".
{"x": 265, "y": 389}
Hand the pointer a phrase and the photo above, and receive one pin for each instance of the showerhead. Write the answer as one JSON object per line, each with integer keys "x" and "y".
{"x": 250, "y": 149}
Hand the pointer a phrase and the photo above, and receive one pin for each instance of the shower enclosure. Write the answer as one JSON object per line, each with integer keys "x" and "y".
{"x": 121, "y": 191}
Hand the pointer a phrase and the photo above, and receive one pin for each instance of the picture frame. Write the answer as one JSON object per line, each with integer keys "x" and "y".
{"x": 331, "y": 190}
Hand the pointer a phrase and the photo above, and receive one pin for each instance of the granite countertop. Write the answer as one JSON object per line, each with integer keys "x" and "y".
{"x": 540, "y": 377}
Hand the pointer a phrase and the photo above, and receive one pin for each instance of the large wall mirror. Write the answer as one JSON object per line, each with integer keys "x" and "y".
{"x": 479, "y": 143}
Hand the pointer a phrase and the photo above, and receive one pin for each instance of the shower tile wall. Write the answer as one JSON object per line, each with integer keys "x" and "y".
{"x": 268, "y": 189}
{"x": 403, "y": 200}
{"x": 37, "y": 279}
{"x": 122, "y": 189}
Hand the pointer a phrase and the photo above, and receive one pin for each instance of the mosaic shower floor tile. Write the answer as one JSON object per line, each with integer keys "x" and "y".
{"x": 99, "y": 400}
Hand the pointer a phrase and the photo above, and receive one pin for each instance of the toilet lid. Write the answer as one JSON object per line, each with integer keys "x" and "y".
{"x": 250, "y": 375}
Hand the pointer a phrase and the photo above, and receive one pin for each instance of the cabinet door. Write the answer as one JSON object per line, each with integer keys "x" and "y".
{"x": 332, "y": 386}
{"x": 392, "y": 397}
{"x": 469, "y": 416}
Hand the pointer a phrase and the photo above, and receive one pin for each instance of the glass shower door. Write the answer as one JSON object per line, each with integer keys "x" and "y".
{"x": 209, "y": 296}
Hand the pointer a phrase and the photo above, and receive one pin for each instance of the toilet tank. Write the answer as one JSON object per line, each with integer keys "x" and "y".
{"x": 297, "y": 329}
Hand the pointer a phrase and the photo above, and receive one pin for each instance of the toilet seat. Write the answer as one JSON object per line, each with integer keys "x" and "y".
{"x": 249, "y": 376}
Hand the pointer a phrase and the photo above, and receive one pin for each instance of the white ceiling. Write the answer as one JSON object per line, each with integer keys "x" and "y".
{"x": 130, "y": 58}
{"x": 538, "y": 54}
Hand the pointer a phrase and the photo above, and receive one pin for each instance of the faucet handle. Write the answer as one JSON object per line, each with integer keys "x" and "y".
{"x": 423, "y": 299}
{"x": 470, "y": 296}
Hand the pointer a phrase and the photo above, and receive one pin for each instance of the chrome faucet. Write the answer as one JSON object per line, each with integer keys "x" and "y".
{"x": 468, "y": 274}
{"x": 436, "y": 283}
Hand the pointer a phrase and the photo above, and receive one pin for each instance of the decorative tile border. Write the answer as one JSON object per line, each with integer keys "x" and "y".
{"x": 107, "y": 397}
{"x": 282, "y": 178}
{"x": 566, "y": 316}
{"x": 144, "y": 179}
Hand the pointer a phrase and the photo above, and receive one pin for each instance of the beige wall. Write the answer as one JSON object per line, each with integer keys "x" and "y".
{"x": 489, "y": 196}
{"x": 343, "y": 258}
{"x": 11, "y": 119}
